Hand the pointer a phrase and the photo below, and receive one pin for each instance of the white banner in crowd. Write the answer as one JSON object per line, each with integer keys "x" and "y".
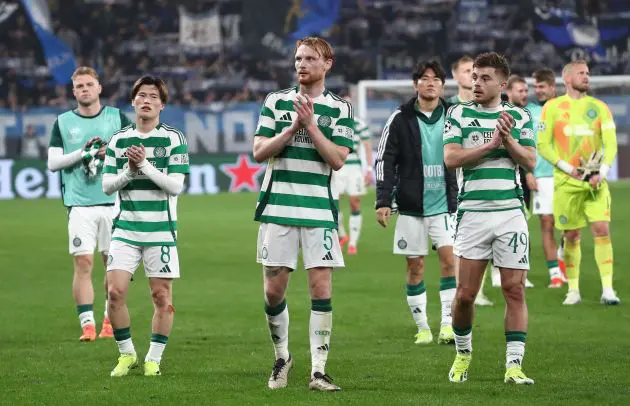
{"x": 199, "y": 30}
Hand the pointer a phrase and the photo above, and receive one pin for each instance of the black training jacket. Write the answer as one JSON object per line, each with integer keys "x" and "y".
{"x": 399, "y": 167}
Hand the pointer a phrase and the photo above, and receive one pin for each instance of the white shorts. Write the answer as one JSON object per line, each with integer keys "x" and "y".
{"x": 502, "y": 236}
{"x": 89, "y": 227}
{"x": 543, "y": 198}
{"x": 349, "y": 180}
{"x": 279, "y": 245}
{"x": 159, "y": 261}
{"x": 412, "y": 234}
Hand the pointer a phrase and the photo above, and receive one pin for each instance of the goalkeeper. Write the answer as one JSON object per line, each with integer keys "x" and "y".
{"x": 577, "y": 135}
{"x": 77, "y": 148}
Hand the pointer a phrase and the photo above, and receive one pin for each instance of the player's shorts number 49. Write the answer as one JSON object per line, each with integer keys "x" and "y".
{"x": 500, "y": 236}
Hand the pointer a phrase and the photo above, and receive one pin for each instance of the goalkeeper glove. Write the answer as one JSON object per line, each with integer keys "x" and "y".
{"x": 592, "y": 166}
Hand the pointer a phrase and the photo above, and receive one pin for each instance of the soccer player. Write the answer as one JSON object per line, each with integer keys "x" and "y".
{"x": 304, "y": 133}
{"x": 146, "y": 163}
{"x": 426, "y": 194}
{"x": 462, "y": 73}
{"x": 351, "y": 180}
{"x": 574, "y": 129}
{"x": 77, "y": 149}
{"x": 489, "y": 139}
{"x": 540, "y": 181}
{"x": 516, "y": 91}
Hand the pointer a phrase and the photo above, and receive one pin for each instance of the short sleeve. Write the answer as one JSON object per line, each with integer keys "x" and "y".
{"x": 178, "y": 161}
{"x": 452, "y": 128}
{"x": 55, "y": 136}
{"x": 343, "y": 133}
{"x": 267, "y": 120}
{"x": 526, "y": 136}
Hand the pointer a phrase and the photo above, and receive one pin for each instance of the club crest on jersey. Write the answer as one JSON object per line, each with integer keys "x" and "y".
{"x": 76, "y": 242}
{"x": 592, "y": 114}
{"x": 541, "y": 126}
{"x": 324, "y": 121}
{"x": 110, "y": 259}
{"x": 264, "y": 253}
{"x": 475, "y": 137}
{"x": 159, "y": 152}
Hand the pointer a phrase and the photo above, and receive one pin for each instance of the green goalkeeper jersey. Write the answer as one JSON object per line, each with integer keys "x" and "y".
{"x": 71, "y": 131}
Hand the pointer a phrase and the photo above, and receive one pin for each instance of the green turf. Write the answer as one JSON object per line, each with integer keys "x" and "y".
{"x": 220, "y": 352}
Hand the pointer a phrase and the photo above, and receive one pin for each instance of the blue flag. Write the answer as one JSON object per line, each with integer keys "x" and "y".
{"x": 316, "y": 16}
{"x": 59, "y": 56}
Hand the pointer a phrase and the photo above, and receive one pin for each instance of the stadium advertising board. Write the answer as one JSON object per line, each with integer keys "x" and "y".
{"x": 210, "y": 174}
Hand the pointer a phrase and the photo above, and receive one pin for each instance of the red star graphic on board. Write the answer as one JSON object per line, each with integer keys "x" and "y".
{"x": 244, "y": 174}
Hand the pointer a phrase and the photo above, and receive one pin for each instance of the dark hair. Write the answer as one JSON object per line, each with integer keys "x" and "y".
{"x": 151, "y": 80}
{"x": 463, "y": 59}
{"x": 493, "y": 60}
{"x": 514, "y": 79}
{"x": 422, "y": 67}
{"x": 545, "y": 75}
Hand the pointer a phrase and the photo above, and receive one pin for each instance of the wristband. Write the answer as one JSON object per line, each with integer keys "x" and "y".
{"x": 603, "y": 171}
{"x": 565, "y": 167}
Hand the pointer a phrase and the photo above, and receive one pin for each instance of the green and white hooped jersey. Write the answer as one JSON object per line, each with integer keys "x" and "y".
{"x": 70, "y": 132}
{"x": 296, "y": 189}
{"x": 361, "y": 133}
{"x": 493, "y": 184}
{"x": 148, "y": 215}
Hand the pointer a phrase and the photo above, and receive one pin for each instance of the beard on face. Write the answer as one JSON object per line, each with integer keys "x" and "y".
{"x": 581, "y": 87}
{"x": 311, "y": 77}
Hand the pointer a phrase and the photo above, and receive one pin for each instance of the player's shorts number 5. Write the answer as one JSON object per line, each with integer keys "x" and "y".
{"x": 328, "y": 239}
{"x": 165, "y": 257}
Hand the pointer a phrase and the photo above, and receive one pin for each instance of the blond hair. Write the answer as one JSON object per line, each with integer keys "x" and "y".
{"x": 84, "y": 70}
{"x": 569, "y": 66}
{"x": 320, "y": 45}
{"x": 463, "y": 59}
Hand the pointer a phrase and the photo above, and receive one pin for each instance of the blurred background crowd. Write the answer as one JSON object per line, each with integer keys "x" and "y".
{"x": 240, "y": 58}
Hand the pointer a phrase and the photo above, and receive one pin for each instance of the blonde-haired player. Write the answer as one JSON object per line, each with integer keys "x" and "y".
{"x": 577, "y": 135}
{"x": 77, "y": 150}
{"x": 304, "y": 133}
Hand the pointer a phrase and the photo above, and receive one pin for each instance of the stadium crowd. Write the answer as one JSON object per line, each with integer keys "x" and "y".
{"x": 373, "y": 39}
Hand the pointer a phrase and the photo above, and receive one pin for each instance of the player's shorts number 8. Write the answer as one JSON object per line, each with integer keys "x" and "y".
{"x": 166, "y": 254}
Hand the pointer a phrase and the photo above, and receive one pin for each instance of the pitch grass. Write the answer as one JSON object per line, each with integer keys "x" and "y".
{"x": 220, "y": 352}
